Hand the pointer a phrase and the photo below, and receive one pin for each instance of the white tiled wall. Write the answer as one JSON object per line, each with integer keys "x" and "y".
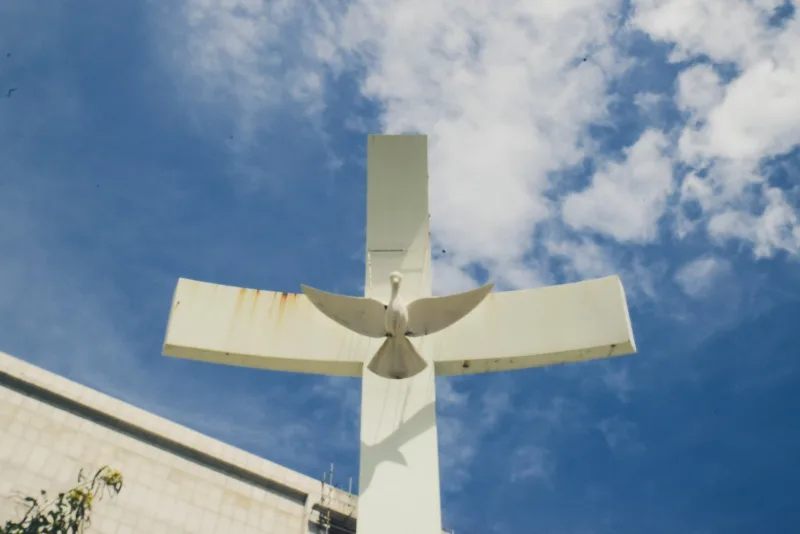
{"x": 43, "y": 447}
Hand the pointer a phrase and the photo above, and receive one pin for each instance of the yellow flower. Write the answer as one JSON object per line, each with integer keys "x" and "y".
{"x": 81, "y": 494}
{"x": 113, "y": 478}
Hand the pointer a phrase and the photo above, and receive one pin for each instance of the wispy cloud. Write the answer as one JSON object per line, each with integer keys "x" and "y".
{"x": 532, "y": 462}
{"x": 618, "y": 381}
{"x": 700, "y": 274}
{"x": 620, "y": 435}
{"x": 464, "y": 421}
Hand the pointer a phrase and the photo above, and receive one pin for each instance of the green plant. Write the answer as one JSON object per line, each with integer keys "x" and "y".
{"x": 69, "y": 512}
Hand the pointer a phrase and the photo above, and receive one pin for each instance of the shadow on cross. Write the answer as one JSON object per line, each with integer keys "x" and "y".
{"x": 389, "y": 448}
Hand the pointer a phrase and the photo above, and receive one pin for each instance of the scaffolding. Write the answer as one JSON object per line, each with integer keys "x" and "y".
{"x": 326, "y": 522}
{"x": 326, "y": 496}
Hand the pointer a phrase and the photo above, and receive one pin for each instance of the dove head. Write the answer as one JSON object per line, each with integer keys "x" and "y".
{"x": 395, "y": 278}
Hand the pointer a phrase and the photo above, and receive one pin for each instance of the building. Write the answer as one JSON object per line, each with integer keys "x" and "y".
{"x": 176, "y": 480}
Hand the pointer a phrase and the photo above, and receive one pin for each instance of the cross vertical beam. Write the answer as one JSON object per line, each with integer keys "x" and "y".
{"x": 399, "y": 466}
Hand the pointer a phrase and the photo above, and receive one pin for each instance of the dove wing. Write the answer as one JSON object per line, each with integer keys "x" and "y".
{"x": 432, "y": 314}
{"x": 364, "y": 316}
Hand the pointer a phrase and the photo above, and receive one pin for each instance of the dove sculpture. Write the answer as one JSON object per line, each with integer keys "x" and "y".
{"x": 397, "y": 358}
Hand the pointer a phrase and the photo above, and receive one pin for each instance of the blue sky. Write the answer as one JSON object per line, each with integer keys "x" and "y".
{"x": 225, "y": 141}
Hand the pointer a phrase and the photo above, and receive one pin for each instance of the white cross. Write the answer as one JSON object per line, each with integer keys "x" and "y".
{"x": 399, "y": 465}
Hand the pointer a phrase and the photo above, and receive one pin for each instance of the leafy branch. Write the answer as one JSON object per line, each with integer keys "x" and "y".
{"x": 69, "y": 512}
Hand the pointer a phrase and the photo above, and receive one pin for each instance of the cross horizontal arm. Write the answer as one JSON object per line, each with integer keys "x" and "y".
{"x": 536, "y": 327}
{"x": 260, "y": 329}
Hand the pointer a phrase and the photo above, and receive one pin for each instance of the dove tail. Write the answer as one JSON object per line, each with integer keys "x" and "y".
{"x": 397, "y": 358}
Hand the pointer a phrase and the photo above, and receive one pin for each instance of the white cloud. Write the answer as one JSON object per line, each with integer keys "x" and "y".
{"x": 618, "y": 380}
{"x": 627, "y": 199}
{"x": 555, "y": 414}
{"x": 696, "y": 277}
{"x": 620, "y": 435}
{"x": 459, "y": 445}
{"x": 502, "y": 93}
{"x": 759, "y": 115}
{"x": 724, "y": 30}
{"x": 449, "y": 278}
{"x": 531, "y": 461}
{"x": 648, "y": 101}
{"x": 463, "y": 422}
{"x": 653, "y": 108}
{"x": 585, "y": 257}
{"x": 502, "y": 99}
{"x": 495, "y": 404}
{"x": 447, "y": 395}
{"x": 735, "y": 124}
{"x": 507, "y": 100}
{"x": 775, "y": 229}
{"x": 699, "y": 90}
{"x": 243, "y": 57}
